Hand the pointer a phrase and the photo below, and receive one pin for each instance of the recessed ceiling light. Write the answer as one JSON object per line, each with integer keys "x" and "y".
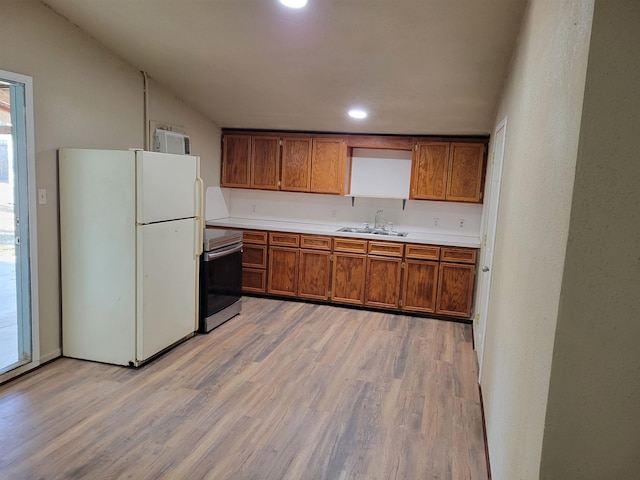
{"x": 357, "y": 113}
{"x": 294, "y": 3}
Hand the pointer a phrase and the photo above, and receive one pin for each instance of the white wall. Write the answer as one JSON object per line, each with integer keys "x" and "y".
{"x": 166, "y": 106}
{"x": 543, "y": 101}
{"x": 84, "y": 97}
{"x": 417, "y": 216}
{"x": 592, "y": 425}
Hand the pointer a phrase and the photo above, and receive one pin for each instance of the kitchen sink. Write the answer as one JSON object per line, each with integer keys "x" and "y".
{"x": 373, "y": 231}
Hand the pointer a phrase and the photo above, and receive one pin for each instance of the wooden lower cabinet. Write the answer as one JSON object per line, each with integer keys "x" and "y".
{"x": 455, "y": 289}
{"x": 314, "y": 274}
{"x": 254, "y": 280}
{"x": 348, "y": 277}
{"x": 379, "y": 274}
{"x": 419, "y": 286}
{"x": 254, "y": 261}
{"x": 382, "y": 284}
{"x": 254, "y": 256}
{"x": 283, "y": 271}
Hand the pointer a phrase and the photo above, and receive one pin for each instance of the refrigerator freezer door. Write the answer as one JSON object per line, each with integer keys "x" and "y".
{"x": 97, "y": 254}
{"x": 167, "y": 276}
{"x": 167, "y": 187}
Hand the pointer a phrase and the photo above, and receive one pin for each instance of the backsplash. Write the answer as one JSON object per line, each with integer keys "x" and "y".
{"x": 418, "y": 215}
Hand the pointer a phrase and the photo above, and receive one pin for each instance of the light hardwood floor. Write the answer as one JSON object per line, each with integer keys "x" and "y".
{"x": 286, "y": 390}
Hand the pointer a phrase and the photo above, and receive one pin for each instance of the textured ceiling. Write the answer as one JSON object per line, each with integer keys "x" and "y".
{"x": 417, "y": 66}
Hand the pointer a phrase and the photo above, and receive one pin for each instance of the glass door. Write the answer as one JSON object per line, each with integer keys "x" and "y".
{"x": 16, "y": 319}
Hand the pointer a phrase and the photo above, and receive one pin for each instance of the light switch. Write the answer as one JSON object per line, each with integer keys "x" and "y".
{"x": 42, "y": 196}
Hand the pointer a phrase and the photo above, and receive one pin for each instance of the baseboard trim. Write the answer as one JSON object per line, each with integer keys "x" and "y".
{"x": 50, "y": 356}
{"x": 484, "y": 433}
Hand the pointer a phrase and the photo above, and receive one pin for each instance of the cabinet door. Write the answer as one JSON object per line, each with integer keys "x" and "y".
{"x": 419, "y": 286}
{"x": 254, "y": 280}
{"x": 383, "y": 282}
{"x": 296, "y": 164}
{"x": 466, "y": 170}
{"x": 347, "y": 280}
{"x": 328, "y": 165}
{"x": 314, "y": 274}
{"x": 254, "y": 256}
{"x": 236, "y": 161}
{"x": 265, "y": 162}
{"x": 455, "y": 289}
{"x": 283, "y": 271}
{"x": 429, "y": 171}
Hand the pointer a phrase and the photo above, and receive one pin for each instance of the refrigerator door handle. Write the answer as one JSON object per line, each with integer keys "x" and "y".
{"x": 200, "y": 217}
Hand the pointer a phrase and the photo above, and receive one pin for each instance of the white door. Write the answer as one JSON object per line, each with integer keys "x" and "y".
{"x": 490, "y": 221}
{"x": 168, "y": 187}
{"x": 167, "y": 268}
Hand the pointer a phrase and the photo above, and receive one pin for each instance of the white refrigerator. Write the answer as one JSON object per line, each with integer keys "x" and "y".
{"x": 131, "y": 226}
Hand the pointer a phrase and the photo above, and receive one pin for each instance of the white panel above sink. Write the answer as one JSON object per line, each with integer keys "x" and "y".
{"x": 380, "y": 173}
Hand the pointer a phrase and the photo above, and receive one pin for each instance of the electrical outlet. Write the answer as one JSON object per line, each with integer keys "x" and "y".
{"x": 253, "y": 207}
{"x": 333, "y": 213}
{"x": 436, "y": 220}
{"x": 462, "y": 223}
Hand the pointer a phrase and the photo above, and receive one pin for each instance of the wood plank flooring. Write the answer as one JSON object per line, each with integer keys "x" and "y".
{"x": 286, "y": 390}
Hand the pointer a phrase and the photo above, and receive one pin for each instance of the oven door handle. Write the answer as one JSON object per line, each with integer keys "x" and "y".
{"x": 221, "y": 253}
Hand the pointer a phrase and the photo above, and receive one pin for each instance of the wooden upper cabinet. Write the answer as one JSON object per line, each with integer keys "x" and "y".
{"x": 328, "y": 163}
{"x": 448, "y": 171}
{"x": 236, "y": 161}
{"x": 466, "y": 171}
{"x": 296, "y": 164}
{"x": 429, "y": 171}
{"x": 265, "y": 162}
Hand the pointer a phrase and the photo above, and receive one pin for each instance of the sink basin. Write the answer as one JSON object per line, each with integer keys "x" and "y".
{"x": 354, "y": 230}
{"x": 373, "y": 231}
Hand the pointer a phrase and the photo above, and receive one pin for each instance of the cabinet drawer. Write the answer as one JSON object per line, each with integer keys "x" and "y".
{"x": 284, "y": 239}
{"x": 389, "y": 249}
{"x": 254, "y": 280}
{"x": 254, "y": 236}
{"x": 349, "y": 245}
{"x": 423, "y": 252}
{"x": 315, "y": 242}
{"x": 254, "y": 256}
{"x": 459, "y": 255}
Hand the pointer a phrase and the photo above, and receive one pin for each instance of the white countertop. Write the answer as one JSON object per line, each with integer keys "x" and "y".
{"x": 324, "y": 229}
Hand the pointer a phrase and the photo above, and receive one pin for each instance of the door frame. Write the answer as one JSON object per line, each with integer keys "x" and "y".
{"x": 489, "y": 228}
{"x": 32, "y": 223}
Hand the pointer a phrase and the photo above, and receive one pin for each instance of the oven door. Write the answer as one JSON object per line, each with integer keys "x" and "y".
{"x": 220, "y": 280}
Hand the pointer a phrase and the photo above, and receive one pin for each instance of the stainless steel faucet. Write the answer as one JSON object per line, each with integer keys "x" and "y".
{"x": 377, "y": 221}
